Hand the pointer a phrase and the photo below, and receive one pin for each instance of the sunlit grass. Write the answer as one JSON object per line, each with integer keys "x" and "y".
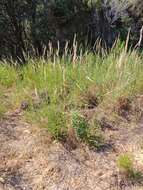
{"x": 54, "y": 88}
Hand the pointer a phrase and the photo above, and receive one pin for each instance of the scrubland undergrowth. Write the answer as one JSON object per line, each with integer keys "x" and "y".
{"x": 55, "y": 93}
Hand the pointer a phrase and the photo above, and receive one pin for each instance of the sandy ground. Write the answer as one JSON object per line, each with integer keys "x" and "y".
{"x": 30, "y": 160}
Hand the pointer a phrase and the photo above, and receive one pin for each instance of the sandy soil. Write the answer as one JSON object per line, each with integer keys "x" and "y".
{"x": 30, "y": 160}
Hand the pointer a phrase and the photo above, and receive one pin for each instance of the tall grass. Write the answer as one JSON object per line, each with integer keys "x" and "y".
{"x": 53, "y": 88}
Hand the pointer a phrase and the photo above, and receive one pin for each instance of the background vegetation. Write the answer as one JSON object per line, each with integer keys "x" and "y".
{"x": 27, "y": 27}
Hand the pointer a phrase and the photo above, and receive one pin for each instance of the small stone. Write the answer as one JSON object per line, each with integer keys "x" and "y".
{"x": 24, "y": 105}
{"x": 2, "y": 180}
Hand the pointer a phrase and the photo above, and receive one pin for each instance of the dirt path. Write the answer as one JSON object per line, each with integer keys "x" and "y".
{"x": 29, "y": 160}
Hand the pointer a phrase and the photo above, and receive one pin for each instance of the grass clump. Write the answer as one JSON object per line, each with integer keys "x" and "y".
{"x": 126, "y": 166}
{"x": 51, "y": 118}
{"x": 87, "y": 133}
{"x": 125, "y": 162}
{"x": 57, "y": 123}
{"x": 80, "y": 125}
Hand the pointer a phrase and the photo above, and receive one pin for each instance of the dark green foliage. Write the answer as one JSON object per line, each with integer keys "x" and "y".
{"x": 27, "y": 26}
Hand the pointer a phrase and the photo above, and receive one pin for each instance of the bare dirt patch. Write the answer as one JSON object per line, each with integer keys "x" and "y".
{"x": 30, "y": 160}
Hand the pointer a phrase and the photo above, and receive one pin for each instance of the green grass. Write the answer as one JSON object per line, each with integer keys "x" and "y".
{"x": 126, "y": 165}
{"x": 125, "y": 162}
{"x": 90, "y": 133}
{"x": 4, "y": 103}
{"x": 54, "y": 90}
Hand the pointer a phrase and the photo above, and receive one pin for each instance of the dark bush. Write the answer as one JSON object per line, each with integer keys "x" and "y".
{"x": 27, "y": 26}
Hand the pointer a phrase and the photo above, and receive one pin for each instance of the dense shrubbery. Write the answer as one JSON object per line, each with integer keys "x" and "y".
{"x": 27, "y": 26}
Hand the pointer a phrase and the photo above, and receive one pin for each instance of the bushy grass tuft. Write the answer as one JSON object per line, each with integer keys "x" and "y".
{"x": 125, "y": 162}
{"x": 126, "y": 165}
{"x": 87, "y": 132}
